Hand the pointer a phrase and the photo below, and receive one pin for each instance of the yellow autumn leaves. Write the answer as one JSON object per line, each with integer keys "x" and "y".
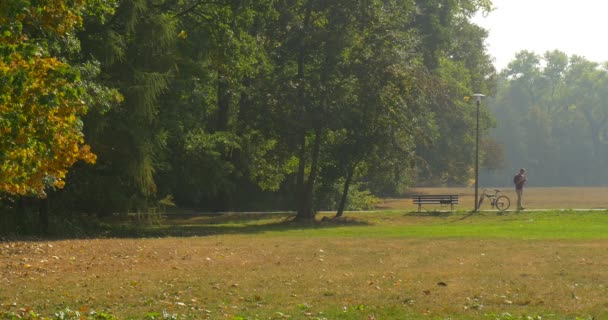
{"x": 40, "y": 101}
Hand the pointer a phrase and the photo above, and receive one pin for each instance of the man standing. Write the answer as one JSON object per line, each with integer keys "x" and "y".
{"x": 519, "y": 181}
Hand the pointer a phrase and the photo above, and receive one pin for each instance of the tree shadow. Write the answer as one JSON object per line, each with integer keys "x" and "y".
{"x": 429, "y": 213}
{"x": 247, "y": 223}
{"x": 198, "y": 225}
{"x": 457, "y": 216}
{"x": 468, "y": 215}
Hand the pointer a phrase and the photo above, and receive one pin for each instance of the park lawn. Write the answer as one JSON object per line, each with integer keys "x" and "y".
{"x": 380, "y": 265}
{"x": 556, "y": 224}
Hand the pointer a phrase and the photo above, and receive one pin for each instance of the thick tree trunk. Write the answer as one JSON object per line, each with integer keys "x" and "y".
{"x": 306, "y": 212}
{"x": 349, "y": 178}
{"x": 304, "y": 195}
{"x": 300, "y": 188}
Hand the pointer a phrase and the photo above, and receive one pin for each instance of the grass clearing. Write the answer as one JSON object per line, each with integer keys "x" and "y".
{"x": 380, "y": 265}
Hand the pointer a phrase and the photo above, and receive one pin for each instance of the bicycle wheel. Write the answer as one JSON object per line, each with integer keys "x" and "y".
{"x": 503, "y": 203}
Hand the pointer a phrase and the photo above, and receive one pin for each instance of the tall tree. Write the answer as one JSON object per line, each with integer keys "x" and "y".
{"x": 347, "y": 36}
{"x": 214, "y": 112}
{"x": 383, "y": 111}
{"x": 455, "y": 54}
{"x": 134, "y": 48}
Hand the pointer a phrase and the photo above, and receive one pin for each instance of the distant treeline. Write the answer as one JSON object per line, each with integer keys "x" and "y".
{"x": 552, "y": 118}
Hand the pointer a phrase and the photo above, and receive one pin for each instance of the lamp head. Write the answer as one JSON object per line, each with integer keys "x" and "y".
{"x": 478, "y": 97}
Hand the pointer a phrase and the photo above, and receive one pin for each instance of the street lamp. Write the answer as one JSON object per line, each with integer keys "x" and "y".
{"x": 478, "y": 97}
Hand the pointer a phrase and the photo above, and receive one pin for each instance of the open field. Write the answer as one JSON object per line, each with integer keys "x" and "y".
{"x": 376, "y": 265}
{"x": 534, "y": 198}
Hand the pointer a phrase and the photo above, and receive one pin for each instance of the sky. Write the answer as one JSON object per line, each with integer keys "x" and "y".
{"x": 575, "y": 27}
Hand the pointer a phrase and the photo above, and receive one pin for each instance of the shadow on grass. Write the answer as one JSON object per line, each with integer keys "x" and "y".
{"x": 430, "y": 214}
{"x": 455, "y": 216}
{"x": 191, "y": 225}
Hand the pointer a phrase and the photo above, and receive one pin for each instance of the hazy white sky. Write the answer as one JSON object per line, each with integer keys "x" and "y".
{"x": 575, "y": 27}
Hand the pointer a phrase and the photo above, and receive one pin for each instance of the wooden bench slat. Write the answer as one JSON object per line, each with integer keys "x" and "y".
{"x": 421, "y": 199}
{"x": 436, "y": 195}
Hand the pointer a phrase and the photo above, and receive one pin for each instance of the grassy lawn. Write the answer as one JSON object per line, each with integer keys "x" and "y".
{"x": 373, "y": 265}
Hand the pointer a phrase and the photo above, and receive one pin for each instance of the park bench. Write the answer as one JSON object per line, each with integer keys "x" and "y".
{"x": 442, "y": 199}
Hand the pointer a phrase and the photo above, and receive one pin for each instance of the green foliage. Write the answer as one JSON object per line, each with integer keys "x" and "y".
{"x": 241, "y": 104}
{"x": 359, "y": 198}
{"x": 130, "y": 47}
{"x": 463, "y": 69}
{"x": 268, "y": 168}
{"x": 98, "y": 97}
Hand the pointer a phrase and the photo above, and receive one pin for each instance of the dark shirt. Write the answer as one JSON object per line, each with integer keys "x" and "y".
{"x": 519, "y": 181}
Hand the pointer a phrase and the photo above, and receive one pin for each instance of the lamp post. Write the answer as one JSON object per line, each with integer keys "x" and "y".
{"x": 478, "y": 97}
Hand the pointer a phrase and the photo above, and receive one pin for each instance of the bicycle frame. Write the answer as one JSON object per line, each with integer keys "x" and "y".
{"x": 497, "y": 200}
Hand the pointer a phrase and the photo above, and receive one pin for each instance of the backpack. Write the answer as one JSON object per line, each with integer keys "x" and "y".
{"x": 516, "y": 179}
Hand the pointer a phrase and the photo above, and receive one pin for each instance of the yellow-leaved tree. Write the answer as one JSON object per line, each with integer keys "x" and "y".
{"x": 41, "y": 97}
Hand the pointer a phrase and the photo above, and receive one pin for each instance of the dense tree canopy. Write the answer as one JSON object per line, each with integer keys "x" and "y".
{"x": 239, "y": 104}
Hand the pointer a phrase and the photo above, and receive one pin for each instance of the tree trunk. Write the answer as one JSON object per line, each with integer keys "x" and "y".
{"x": 304, "y": 200}
{"x": 306, "y": 212}
{"x": 300, "y": 188}
{"x": 349, "y": 178}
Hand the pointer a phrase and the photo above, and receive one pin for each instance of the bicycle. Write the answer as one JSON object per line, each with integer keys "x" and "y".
{"x": 497, "y": 200}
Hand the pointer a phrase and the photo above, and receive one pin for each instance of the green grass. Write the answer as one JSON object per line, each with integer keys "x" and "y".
{"x": 368, "y": 265}
{"x": 383, "y": 224}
